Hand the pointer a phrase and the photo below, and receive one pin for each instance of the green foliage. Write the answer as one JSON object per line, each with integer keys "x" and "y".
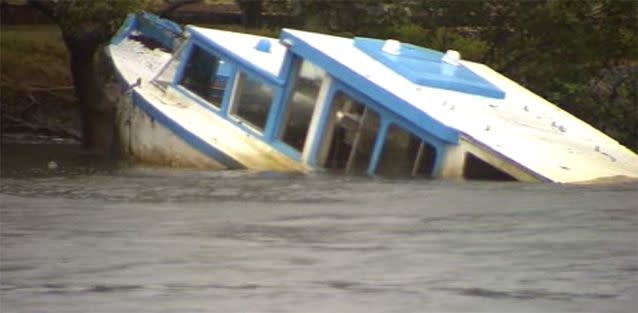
{"x": 441, "y": 39}
{"x": 354, "y": 17}
{"x": 102, "y": 17}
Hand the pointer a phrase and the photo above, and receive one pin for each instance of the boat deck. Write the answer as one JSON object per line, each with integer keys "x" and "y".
{"x": 138, "y": 60}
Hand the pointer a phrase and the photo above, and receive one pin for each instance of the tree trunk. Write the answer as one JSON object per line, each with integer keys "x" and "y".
{"x": 96, "y": 113}
{"x": 251, "y": 12}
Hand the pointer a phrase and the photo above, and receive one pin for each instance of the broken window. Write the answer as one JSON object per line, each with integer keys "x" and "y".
{"x": 301, "y": 104}
{"x": 252, "y": 101}
{"x": 478, "y": 169}
{"x": 405, "y": 154}
{"x": 206, "y": 76}
{"x": 350, "y": 136}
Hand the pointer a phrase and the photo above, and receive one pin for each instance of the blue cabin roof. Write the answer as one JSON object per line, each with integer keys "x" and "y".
{"x": 426, "y": 67}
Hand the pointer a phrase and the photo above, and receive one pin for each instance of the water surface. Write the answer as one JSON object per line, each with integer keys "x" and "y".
{"x": 94, "y": 235}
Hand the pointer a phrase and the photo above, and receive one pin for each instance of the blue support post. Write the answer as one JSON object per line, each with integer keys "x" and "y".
{"x": 378, "y": 145}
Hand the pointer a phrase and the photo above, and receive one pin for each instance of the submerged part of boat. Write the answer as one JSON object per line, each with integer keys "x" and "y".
{"x": 307, "y": 101}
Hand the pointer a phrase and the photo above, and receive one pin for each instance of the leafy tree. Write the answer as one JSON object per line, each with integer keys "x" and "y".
{"x": 85, "y": 27}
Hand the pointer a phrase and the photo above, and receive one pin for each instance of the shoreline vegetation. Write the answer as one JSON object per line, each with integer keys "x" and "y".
{"x": 594, "y": 76}
{"x": 36, "y": 90}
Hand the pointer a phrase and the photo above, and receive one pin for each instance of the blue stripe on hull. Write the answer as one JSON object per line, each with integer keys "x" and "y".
{"x": 184, "y": 134}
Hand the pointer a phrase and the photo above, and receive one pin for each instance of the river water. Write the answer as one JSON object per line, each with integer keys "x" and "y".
{"x": 91, "y": 235}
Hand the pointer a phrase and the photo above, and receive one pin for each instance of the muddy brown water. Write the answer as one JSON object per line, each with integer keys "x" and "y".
{"x": 95, "y": 235}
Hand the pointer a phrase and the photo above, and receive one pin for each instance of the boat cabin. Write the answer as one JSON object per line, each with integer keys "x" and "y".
{"x": 363, "y": 106}
{"x": 319, "y": 112}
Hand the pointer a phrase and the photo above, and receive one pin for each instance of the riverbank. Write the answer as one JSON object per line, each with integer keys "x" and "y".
{"x": 36, "y": 92}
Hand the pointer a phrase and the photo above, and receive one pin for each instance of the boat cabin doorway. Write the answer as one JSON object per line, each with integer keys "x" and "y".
{"x": 351, "y": 133}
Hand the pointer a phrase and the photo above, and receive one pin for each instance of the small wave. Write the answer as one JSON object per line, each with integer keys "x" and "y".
{"x": 113, "y": 288}
{"x": 344, "y": 285}
{"x": 15, "y": 268}
{"x": 528, "y": 294}
{"x": 56, "y": 288}
{"x": 325, "y": 216}
{"x": 349, "y": 286}
{"x": 213, "y": 286}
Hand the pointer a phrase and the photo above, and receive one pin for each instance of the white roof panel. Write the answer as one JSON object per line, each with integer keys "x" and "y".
{"x": 523, "y": 127}
{"x": 244, "y": 46}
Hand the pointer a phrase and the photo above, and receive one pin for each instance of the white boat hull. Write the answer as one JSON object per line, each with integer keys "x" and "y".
{"x": 144, "y": 139}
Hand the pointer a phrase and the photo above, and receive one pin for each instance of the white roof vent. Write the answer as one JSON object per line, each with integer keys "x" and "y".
{"x": 392, "y": 46}
{"x": 452, "y": 57}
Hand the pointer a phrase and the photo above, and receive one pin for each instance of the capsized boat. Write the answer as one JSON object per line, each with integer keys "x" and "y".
{"x": 312, "y": 102}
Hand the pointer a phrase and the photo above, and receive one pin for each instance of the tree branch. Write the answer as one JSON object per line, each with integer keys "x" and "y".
{"x": 47, "y": 7}
{"x": 174, "y": 5}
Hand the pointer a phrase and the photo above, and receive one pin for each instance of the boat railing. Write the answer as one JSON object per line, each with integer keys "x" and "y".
{"x": 169, "y": 34}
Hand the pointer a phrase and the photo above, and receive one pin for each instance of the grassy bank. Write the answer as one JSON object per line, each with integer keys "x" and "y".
{"x": 34, "y": 55}
{"x": 36, "y": 94}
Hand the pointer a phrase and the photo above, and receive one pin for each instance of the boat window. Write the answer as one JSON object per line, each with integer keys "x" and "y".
{"x": 301, "y": 104}
{"x": 167, "y": 73}
{"x": 206, "y": 75}
{"x": 350, "y": 136}
{"x": 478, "y": 169}
{"x": 252, "y": 101}
{"x": 405, "y": 154}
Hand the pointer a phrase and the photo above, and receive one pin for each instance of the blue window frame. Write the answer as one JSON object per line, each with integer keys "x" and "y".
{"x": 430, "y": 158}
{"x": 404, "y": 154}
{"x": 301, "y": 104}
{"x": 206, "y": 76}
{"x": 349, "y": 135}
{"x": 252, "y": 101}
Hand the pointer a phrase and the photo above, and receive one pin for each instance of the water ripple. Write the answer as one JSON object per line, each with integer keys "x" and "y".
{"x": 527, "y": 294}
